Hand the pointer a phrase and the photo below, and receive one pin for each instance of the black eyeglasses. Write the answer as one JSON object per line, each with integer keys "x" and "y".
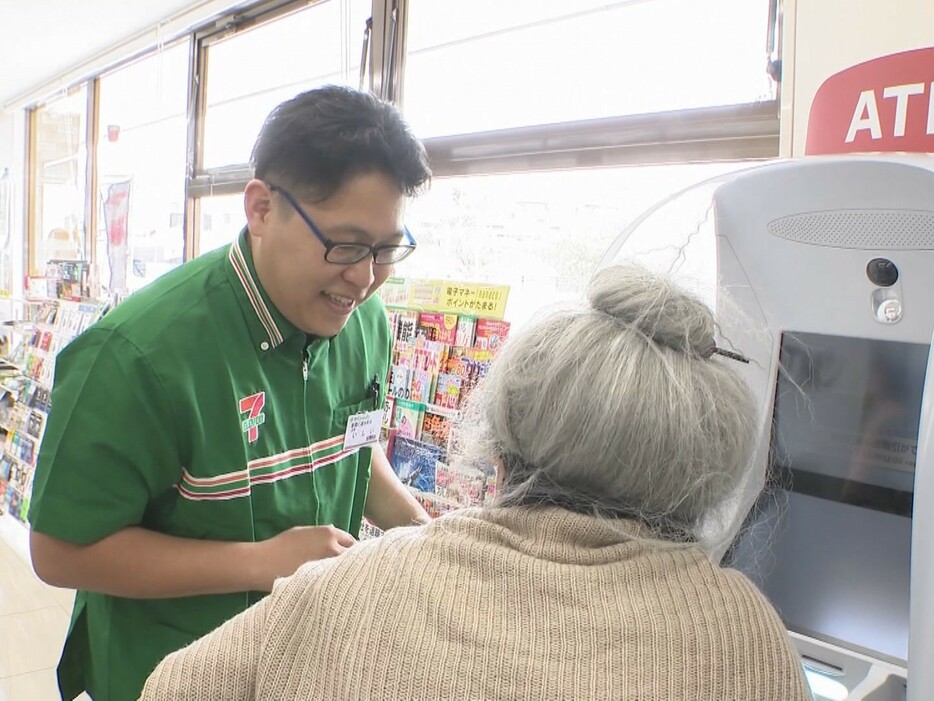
{"x": 350, "y": 253}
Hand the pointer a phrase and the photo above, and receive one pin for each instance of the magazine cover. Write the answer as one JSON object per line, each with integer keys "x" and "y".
{"x": 462, "y": 485}
{"x": 403, "y": 353}
{"x": 436, "y": 429}
{"x": 414, "y": 463}
{"x": 34, "y": 424}
{"x": 466, "y": 331}
{"x": 438, "y": 327}
{"x": 429, "y": 355}
{"x": 6, "y": 467}
{"x": 491, "y": 334}
{"x": 19, "y": 478}
{"x": 435, "y": 506}
{"x": 399, "y": 381}
{"x": 389, "y": 410}
{"x": 421, "y": 386}
{"x": 407, "y": 323}
{"x": 408, "y": 418}
{"x": 448, "y": 390}
{"x": 15, "y": 505}
{"x": 368, "y": 531}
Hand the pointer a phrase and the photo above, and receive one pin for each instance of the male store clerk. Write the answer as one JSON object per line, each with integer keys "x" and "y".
{"x": 198, "y": 443}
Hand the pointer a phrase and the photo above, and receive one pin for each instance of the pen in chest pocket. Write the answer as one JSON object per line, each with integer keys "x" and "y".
{"x": 373, "y": 391}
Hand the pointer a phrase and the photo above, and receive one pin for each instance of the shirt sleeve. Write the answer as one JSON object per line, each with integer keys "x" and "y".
{"x": 110, "y": 444}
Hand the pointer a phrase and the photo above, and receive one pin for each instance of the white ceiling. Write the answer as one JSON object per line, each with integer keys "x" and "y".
{"x": 41, "y": 40}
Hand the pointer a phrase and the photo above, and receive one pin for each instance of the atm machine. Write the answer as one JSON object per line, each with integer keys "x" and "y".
{"x": 821, "y": 271}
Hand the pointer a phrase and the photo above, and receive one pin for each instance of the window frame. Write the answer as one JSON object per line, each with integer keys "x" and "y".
{"x": 232, "y": 178}
{"x": 31, "y": 265}
{"x": 729, "y": 133}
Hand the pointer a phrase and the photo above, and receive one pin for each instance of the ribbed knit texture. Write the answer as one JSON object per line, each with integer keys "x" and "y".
{"x": 499, "y": 604}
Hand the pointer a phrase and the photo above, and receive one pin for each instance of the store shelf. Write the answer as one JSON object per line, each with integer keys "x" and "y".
{"x": 28, "y": 325}
{"x": 442, "y": 411}
{"x": 16, "y": 458}
{"x": 25, "y": 418}
{"x": 6, "y": 389}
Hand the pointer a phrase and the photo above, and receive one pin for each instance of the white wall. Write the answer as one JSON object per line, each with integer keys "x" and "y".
{"x": 823, "y": 37}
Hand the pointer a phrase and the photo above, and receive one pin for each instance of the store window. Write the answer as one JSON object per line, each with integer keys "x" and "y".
{"x": 485, "y": 65}
{"x": 251, "y": 72}
{"x": 222, "y": 218}
{"x": 59, "y": 172}
{"x": 141, "y": 169}
{"x": 542, "y": 234}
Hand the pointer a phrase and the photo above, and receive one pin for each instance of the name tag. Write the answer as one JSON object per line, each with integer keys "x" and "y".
{"x": 363, "y": 429}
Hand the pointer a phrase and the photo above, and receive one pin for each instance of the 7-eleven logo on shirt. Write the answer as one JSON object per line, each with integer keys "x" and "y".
{"x": 252, "y": 406}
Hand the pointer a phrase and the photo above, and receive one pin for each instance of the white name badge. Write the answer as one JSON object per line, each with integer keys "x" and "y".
{"x": 363, "y": 429}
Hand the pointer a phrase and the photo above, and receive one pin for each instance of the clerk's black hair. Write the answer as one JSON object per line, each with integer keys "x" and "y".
{"x": 318, "y": 140}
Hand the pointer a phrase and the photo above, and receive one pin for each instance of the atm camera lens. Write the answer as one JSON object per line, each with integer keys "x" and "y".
{"x": 882, "y": 272}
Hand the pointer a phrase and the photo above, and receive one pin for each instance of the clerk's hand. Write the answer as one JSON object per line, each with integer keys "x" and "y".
{"x": 281, "y": 555}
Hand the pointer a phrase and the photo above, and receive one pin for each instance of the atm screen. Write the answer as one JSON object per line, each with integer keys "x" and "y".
{"x": 829, "y": 541}
{"x": 846, "y": 419}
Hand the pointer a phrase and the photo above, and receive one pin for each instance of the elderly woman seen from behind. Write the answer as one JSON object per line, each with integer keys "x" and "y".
{"x": 616, "y": 432}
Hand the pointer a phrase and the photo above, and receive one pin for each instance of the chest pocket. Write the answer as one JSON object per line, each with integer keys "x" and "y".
{"x": 340, "y": 477}
{"x": 341, "y": 414}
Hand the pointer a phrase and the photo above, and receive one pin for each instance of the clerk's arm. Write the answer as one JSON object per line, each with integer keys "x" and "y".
{"x": 388, "y": 502}
{"x": 142, "y": 564}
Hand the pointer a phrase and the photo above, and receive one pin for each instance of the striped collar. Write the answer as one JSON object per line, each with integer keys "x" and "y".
{"x": 268, "y": 327}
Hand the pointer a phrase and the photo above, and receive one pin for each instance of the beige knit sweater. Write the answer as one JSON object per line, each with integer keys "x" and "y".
{"x": 499, "y": 604}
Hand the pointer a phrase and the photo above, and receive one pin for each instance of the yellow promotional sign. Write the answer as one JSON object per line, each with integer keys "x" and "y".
{"x": 447, "y": 297}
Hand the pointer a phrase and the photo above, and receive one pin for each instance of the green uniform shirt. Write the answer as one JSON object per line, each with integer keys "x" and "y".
{"x": 196, "y": 410}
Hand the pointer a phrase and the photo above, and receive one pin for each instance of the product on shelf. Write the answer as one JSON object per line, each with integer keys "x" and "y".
{"x": 414, "y": 463}
{"x": 438, "y": 327}
{"x": 435, "y": 506}
{"x": 368, "y": 530}
{"x": 68, "y": 279}
{"x": 466, "y": 331}
{"x": 491, "y": 333}
{"x": 408, "y": 419}
{"x": 50, "y": 326}
{"x": 463, "y": 486}
{"x": 436, "y": 427}
{"x": 445, "y": 335}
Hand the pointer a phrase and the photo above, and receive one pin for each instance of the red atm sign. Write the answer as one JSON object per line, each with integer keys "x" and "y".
{"x": 886, "y": 104}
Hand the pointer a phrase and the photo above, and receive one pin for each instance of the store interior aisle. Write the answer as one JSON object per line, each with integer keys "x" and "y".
{"x": 33, "y": 622}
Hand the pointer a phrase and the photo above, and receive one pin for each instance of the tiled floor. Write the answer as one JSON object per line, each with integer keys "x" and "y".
{"x": 33, "y": 622}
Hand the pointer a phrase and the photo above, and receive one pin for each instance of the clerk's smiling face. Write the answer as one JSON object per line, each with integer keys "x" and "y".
{"x": 315, "y": 295}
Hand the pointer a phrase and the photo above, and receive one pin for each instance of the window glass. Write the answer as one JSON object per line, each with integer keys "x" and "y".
{"x": 141, "y": 169}
{"x": 59, "y": 175}
{"x": 251, "y": 72}
{"x": 487, "y": 64}
{"x": 222, "y": 218}
{"x": 540, "y": 233}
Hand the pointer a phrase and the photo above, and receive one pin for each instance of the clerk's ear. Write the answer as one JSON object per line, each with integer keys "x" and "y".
{"x": 257, "y": 205}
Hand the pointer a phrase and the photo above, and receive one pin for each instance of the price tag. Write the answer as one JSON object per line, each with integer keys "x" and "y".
{"x": 363, "y": 429}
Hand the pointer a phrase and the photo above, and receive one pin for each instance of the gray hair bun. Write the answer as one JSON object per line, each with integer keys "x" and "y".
{"x": 638, "y": 299}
